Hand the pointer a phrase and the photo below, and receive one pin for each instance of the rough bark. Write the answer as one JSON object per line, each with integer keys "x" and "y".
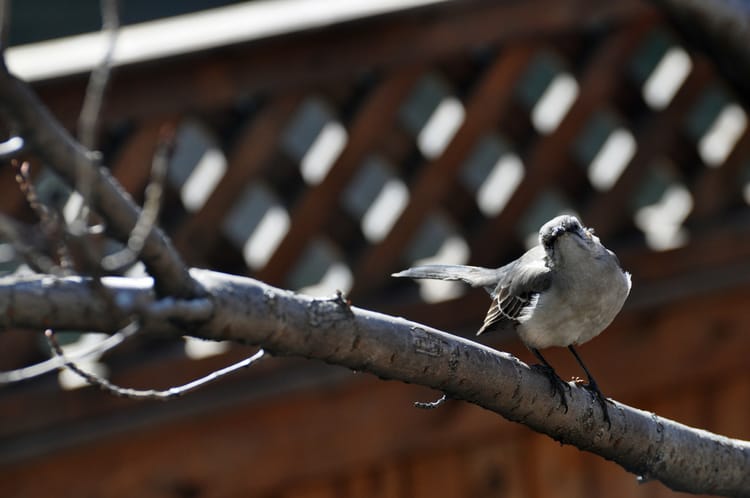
{"x": 285, "y": 323}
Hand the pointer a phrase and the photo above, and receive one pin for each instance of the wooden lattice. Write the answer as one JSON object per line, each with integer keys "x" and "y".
{"x": 671, "y": 197}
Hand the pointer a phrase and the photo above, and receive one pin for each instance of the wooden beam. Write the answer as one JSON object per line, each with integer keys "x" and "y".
{"x": 131, "y": 164}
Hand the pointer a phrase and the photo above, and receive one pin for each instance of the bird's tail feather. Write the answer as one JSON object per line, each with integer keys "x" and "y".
{"x": 475, "y": 276}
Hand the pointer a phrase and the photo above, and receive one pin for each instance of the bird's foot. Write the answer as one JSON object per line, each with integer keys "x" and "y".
{"x": 558, "y": 385}
{"x": 597, "y": 394}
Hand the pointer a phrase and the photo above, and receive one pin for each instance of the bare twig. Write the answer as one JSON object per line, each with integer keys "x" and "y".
{"x": 56, "y": 361}
{"x": 81, "y": 168}
{"x": 250, "y": 312}
{"x": 50, "y": 221}
{"x": 27, "y": 187}
{"x": 151, "y": 206}
{"x": 59, "y": 150}
{"x": 92, "y": 104}
{"x": 162, "y": 395}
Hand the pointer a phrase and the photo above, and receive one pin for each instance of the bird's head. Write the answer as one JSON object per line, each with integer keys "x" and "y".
{"x": 566, "y": 231}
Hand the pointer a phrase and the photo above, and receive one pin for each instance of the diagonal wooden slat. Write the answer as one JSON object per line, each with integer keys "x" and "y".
{"x": 655, "y": 138}
{"x": 251, "y": 152}
{"x": 319, "y": 204}
{"x": 716, "y": 188}
{"x": 488, "y": 102}
{"x": 547, "y": 160}
{"x": 132, "y": 163}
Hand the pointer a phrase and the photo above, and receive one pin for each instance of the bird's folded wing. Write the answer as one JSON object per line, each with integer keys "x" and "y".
{"x": 519, "y": 285}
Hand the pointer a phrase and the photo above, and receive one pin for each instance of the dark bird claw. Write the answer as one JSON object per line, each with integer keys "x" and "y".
{"x": 557, "y": 384}
{"x": 599, "y": 397}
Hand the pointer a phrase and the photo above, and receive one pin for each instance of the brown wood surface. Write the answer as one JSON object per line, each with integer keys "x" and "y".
{"x": 248, "y": 159}
{"x": 322, "y": 203}
{"x": 291, "y": 428}
{"x": 549, "y": 159}
{"x": 489, "y": 100}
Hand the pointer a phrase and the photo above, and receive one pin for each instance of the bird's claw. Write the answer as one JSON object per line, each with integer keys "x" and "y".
{"x": 558, "y": 385}
{"x": 597, "y": 394}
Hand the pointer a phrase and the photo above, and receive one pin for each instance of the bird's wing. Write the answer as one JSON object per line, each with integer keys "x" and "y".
{"x": 519, "y": 284}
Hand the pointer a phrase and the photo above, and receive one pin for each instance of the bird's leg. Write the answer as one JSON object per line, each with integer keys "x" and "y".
{"x": 593, "y": 387}
{"x": 558, "y": 385}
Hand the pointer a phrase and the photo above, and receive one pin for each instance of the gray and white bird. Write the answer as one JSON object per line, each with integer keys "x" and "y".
{"x": 562, "y": 292}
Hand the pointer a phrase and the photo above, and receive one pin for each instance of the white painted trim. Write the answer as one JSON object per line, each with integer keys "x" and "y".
{"x": 192, "y": 32}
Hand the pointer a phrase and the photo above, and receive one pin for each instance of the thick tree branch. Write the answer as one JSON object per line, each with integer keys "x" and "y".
{"x": 58, "y": 149}
{"x": 282, "y": 322}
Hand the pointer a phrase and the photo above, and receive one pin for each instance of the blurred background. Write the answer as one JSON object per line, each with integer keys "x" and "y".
{"x": 323, "y": 146}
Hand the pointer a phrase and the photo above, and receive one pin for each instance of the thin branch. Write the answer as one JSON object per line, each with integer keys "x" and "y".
{"x": 57, "y": 148}
{"x": 162, "y": 395}
{"x": 281, "y": 322}
{"x": 27, "y": 188}
{"x": 50, "y": 221}
{"x": 151, "y": 207}
{"x": 92, "y": 103}
{"x": 41, "y": 368}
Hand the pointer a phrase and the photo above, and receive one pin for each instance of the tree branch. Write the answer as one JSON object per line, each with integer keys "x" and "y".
{"x": 282, "y": 322}
{"x": 56, "y": 362}
{"x": 158, "y": 394}
{"x": 57, "y": 148}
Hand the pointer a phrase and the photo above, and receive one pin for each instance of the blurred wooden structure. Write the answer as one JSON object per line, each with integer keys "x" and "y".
{"x": 340, "y": 155}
